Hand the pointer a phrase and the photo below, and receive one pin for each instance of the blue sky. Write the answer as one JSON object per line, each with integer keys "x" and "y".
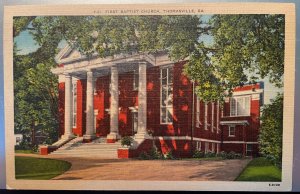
{"x": 26, "y": 44}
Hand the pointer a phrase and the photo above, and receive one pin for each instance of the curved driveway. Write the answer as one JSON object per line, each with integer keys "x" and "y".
{"x": 132, "y": 169}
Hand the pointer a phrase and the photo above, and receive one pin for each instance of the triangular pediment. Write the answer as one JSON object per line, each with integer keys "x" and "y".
{"x": 67, "y": 54}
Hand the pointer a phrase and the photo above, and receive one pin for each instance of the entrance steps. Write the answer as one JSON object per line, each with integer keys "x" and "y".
{"x": 96, "y": 148}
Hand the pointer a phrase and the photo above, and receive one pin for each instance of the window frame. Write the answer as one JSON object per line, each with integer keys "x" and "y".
{"x": 213, "y": 147}
{"x": 74, "y": 104}
{"x": 205, "y": 116}
{"x": 198, "y": 145}
{"x": 167, "y": 85}
{"x": 135, "y": 84}
{"x": 212, "y": 116}
{"x": 218, "y": 116}
{"x": 247, "y": 150}
{"x": 235, "y": 112}
{"x": 198, "y": 112}
{"x": 206, "y": 147}
{"x": 229, "y": 130}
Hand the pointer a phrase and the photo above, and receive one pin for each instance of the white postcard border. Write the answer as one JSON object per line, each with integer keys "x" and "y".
{"x": 208, "y": 8}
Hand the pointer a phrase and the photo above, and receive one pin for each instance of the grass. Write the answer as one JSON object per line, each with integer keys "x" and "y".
{"x": 39, "y": 168}
{"x": 260, "y": 169}
{"x": 25, "y": 152}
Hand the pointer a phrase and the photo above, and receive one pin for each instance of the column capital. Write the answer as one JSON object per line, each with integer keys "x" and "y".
{"x": 89, "y": 70}
{"x": 66, "y": 74}
{"x": 114, "y": 67}
{"x": 142, "y": 63}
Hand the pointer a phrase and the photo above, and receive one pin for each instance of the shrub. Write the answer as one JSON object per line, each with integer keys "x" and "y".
{"x": 238, "y": 156}
{"x": 198, "y": 154}
{"x": 169, "y": 155}
{"x": 23, "y": 146}
{"x": 144, "y": 156}
{"x": 126, "y": 141}
{"x": 222, "y": 154}
{"x": 35, "y": 148}
{"x": 209, "y": 154}
{"x": 155, "y": 154}
{"x": 230, "y": 155}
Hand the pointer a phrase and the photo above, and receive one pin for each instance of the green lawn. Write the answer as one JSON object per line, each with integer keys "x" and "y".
{"x": 39, "y": 168}
{"x": 260, "y": 169}
{"x": 25, "y": 152}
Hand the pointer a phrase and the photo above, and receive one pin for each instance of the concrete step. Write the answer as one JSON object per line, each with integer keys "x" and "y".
{"x": 84, "y": 151}
{"x": 87, "y": 154}
{"x": 97, "y": 148}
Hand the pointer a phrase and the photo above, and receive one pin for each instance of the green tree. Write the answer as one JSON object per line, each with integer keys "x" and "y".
{"x": 245, "y": 48}
{"x": 35, "y": 89}
{"x": 270, "y": 137}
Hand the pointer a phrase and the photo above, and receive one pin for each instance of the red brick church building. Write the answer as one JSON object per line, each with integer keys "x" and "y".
{"x": 134, "y": 95}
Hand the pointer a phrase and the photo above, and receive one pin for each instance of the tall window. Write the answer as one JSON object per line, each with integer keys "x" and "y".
{"x": 231, "y": 131}
{"x": 218, "y": 115}
{"x": 212, "y": 116}
{"x": 240, "y": 106}
{"x": 213, "y": 147}
{"x": 205, "y": 115}
{"x": 135, "y": 80}
{"x": 198, "y": 112}
{"x": 206, "y": 149}
{"x": 95, "y": 119}
{"x": 166, "y": 96}
{"x": 74, "y": 103}
{"x": 198, "y": 145}
{"x": 249, "y": 149}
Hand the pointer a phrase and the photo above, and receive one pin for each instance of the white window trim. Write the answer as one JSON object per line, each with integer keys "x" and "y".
{"x": 229, "y": 128}
{"x": 236, "y": 107}
{"x": 135, "y": 76}
{"x": 247, "y": 148}
{"x": 167, "y": 106}
{"x": 212, "y": 116}
{"x": 198, "y": 112}
{"x": 74, "y": 104}
{"x": 94, "y": 86}
{"x": 95, "y": 119}
{"x": 218, "y": 116}
{"x": 205, "y": 115}
{"x": 206, "y": 146}
{"x": 198, "y": 145}
{"x": 213, "y": 147}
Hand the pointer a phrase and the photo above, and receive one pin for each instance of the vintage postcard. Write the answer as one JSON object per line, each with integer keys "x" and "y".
{"x": 194, "y": 96}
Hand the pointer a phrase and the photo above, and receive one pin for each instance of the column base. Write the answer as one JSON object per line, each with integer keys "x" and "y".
{"x": 112, "y": 138}
{"x": 142, "y": 136}
{"x": 88, "y": 138}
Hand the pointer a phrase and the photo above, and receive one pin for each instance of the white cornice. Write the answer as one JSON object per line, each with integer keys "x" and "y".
{"x": 247, "y": 92}
{"x": 236, "y": 122}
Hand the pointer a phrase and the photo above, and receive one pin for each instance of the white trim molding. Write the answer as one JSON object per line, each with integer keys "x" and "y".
{"x": 236, "y": 122}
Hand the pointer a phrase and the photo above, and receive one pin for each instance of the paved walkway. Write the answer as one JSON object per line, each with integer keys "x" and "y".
{"x": 132, "y": 169}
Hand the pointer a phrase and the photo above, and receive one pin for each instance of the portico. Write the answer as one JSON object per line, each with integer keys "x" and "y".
{"x": 89, "y": 69}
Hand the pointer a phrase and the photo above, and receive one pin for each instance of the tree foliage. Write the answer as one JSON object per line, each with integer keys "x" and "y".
{"x": 270, "y": 137}
{"x": 245, "y": 48}
{"x": 242, "y": 45}
{"x": 35, "y": 89}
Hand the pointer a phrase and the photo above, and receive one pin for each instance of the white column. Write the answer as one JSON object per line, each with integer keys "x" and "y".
{"x": 142, "y": 102}
{"x": 89, "y": 135}
{"x": 68, "y": 107}
{"x": 114, "y": 105}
